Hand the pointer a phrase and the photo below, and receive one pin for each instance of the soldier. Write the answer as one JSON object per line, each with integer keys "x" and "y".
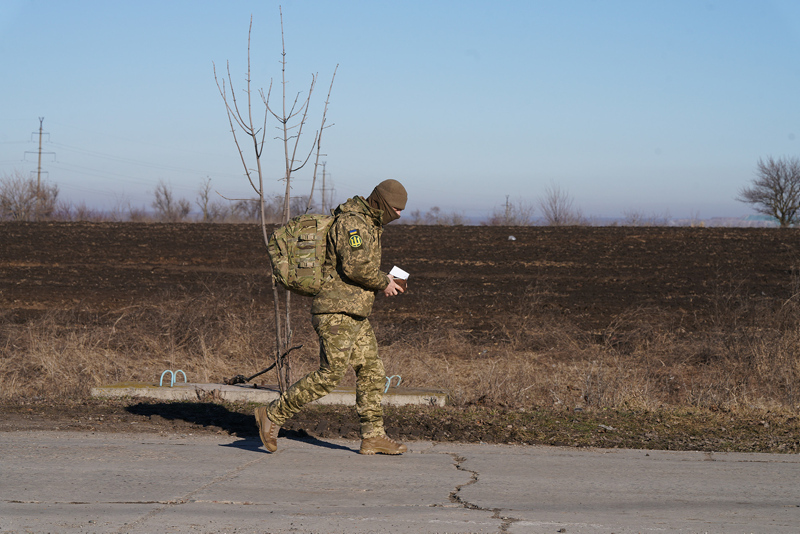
{"x": 351, "y": 277}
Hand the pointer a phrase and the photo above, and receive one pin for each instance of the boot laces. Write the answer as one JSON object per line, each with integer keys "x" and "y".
{"x": 273, "y": 429}
{"x": 387, "y": 439}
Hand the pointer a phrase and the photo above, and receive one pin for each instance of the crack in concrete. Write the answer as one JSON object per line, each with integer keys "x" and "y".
{"x": 188, "y": 497}
{"x": 505, "y": 521}
{"x": 170, "y": 502}
{"x": 454, "y": 495}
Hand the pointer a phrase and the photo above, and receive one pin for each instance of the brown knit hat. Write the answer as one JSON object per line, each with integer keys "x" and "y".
{"x": 394, "y": 193}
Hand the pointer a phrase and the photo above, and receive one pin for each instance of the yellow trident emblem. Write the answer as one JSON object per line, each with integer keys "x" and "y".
{"x": 355, "y": 240}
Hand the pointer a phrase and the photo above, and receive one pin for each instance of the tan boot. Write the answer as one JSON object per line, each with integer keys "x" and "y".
{"x": 381, "y": 445}
{"x": 267, "y": 430}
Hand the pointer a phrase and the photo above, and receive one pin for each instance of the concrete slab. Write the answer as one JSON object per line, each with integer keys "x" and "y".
{"x": 614, "y": 491}
{"x": 395, "y": 396}
{"x": 96, "y": 482}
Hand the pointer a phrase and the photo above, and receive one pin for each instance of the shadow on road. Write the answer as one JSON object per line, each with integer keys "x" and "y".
{"x": 183, "y": 416}
{"x": 254, "y": 445}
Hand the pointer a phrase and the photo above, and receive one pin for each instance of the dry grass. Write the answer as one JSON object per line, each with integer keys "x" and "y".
{"x": 744, "y": 356}
{"x": 64, "y": 354}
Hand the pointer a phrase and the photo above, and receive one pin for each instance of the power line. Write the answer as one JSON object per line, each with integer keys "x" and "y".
{"x": 129, "y": 161}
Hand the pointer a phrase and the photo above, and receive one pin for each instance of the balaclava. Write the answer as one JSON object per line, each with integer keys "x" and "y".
{"x": 387, "y": 195}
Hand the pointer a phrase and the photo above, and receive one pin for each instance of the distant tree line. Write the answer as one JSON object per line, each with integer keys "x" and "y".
{"x": 774, "y": 192}
{"x": 25, "y": 199}
{"x": 21, "y": 199}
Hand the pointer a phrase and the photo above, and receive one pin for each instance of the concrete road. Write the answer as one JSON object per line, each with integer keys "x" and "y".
{"x": 84, "y": 482}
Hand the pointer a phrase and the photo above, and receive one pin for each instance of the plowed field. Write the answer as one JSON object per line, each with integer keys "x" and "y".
{"x": 466, "y": 275}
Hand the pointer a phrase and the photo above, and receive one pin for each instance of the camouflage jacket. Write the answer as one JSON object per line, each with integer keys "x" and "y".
{"x": 351, "y": 274}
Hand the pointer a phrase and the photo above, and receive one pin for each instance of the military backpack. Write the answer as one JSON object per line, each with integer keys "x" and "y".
{"x": 297, "y": 251}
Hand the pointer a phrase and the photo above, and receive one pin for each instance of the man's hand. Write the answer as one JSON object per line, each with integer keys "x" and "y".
{"x": 392, "y": 289}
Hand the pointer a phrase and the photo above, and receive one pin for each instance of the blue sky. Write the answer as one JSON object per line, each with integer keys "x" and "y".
{"x": 653, "y": 107}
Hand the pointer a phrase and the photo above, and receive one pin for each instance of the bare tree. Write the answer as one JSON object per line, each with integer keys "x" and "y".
{"x": 775, "y": 191}
{"x": 120, "y": 209}
{"x": 249, "y": 210}
{"x": 138, "y": 214}
{"x": 203, "y": 200}
{"x": 291, "y": 119}
{"x": 640, "y": 218}
{"x": 415, "y": 217}
{"x": 79, "y": 212}
{"x": 452, "y": 219}
{"x": 557, "y": 207}
{"x": 168, "y": 208}
{"x": 212, "y": 210}
{"x": 124, "y": 210}
{"x": 319, "y": 151}
{"x": 512, "y": 214}
{"x": 434, "y": 217}
{"x": 301, "y": 204}
{"x": 25, "y": 199}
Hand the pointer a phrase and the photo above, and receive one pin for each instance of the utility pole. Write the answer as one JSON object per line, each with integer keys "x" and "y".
{"x": 39, "y": 169}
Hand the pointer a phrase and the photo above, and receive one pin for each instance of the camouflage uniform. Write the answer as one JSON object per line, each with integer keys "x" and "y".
{"x": 351, "y": 276}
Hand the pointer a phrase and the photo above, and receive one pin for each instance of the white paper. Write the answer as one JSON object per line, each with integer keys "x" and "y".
{"x": 397, "y": 272}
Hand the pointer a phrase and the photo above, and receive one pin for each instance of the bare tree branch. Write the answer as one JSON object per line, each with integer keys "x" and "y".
{"x": 319, "y": 141}
{"x": 557, "y": 207}
{"x": 23, "y": 199}
{"x": 291, "y": 134}
{"x": 776, "y": 190}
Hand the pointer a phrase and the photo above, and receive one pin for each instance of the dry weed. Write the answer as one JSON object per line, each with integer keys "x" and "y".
{"x": 64, "y": 354}
{"x": 746, "y": 356}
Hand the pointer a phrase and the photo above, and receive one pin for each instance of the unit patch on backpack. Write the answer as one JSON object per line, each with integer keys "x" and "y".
{"x": 297, "y": 252}
{"x": 355, "y": 239}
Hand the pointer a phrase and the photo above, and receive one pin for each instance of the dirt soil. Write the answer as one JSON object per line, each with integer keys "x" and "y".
{"x": 462, "y": 274}
{"x": 466, "y": 277}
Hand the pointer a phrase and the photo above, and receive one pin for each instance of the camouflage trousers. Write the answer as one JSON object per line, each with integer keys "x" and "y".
{"x": 343, "y": 341}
